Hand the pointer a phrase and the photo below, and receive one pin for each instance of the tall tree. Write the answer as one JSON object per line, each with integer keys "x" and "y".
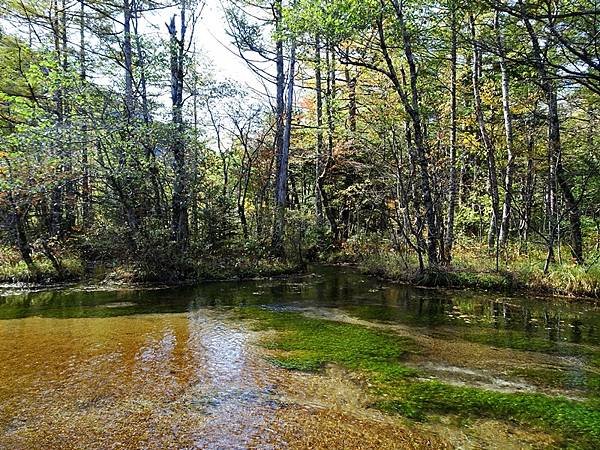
{"x": 488, "y": 144}
{"x": 508, "y": 130}
{"x": 179, "y": 45}
{"x": 453, "y": 194}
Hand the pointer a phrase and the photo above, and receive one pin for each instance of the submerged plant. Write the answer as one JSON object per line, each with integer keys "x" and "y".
{"x": 309, "y": 344}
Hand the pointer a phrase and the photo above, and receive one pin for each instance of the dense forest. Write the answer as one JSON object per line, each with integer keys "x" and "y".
{"x": 220, "y": 222}
{"x": 447, "y": 142}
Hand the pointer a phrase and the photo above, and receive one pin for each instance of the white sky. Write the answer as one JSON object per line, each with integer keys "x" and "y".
{"x": 214, "y": 47}
{"x": 212, "y": 38}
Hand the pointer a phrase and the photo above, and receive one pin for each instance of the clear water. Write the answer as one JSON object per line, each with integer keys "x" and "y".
{"x": 157, "y": 368}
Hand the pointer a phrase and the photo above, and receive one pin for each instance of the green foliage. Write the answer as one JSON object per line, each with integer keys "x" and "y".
{"x": 357, "y": 247}
{"x": 474, "y": 267}
{"x": 62, "y": 129}
{"x": 337, "y": 19}
{"x": 14, "y": 270}
{"x": 219, "y": 225}
{"x": 303, "y": 239}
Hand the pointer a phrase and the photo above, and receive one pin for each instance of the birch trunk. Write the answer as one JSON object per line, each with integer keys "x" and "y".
{"x": 453, "y": 194}
{"x": 508, "y": 131}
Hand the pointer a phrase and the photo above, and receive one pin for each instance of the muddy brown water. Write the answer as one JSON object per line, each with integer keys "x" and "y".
{"x": 170, "y": 368}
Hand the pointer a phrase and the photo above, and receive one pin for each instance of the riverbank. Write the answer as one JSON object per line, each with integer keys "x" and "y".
{"x": 472, "y": 268}
{"x": 15, "y": 273}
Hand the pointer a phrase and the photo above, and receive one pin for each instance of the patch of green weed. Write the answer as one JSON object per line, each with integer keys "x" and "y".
{"x": 308, "y": 344}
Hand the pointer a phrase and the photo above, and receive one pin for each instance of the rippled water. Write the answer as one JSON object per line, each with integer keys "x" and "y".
{"x": 168, "y": 368}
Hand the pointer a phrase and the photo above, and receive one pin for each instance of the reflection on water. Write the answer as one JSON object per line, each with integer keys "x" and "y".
{"x": 231, "y": 388}
{"x": 159, "y": 368}
{"x": 169, "y": 381}
{"x": 554, "y": 320}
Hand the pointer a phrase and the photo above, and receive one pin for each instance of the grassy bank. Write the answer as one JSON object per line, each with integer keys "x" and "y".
{"x": 14, "y": 270}
{"x": 309, "y": 344}
{"x": 171, "y": 271}
{"x": 473, "y": 267}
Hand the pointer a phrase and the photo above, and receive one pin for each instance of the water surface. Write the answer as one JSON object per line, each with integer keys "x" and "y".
{"x": 159, "y": 368}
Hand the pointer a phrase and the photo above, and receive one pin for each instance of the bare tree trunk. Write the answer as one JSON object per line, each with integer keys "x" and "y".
{"x": 86, "y": 216}
{"x": 21, "y": 235}
{"x": 243, "y": 190}
{"x": 412, "y": 106}
{"x": 508, "y": 130}
{"x": 319, "y": 148}
{"x": 527, "y": 193}
{"x": 242, "y": 185}
{"x": 141, "y": 64}
{"x": 48, "y": 253}
{"x": 351, "y": 81}
{"x": 350, "y": 174}
{"x": 282, "y": 169}
{"x": 70, "y": 191}
{"x": 23, "y": 243}
{"x": 487, "y": 142}
{"x": 277, "y": 235}
{"x": 86, "y": 189}
{"x": 453, "y": 197}
{"x": 179, "y": 226}
{"x": 127, "y": 55}
{"x": 556, "y": 172}
{"x": 330, "y": 98}
{"x": 415, "y": 197}
{"x": 57, "y": 194}
{"x": 574, "y": 213}
{"x": 194, "y": 180}
{"x": 153, "y": 170}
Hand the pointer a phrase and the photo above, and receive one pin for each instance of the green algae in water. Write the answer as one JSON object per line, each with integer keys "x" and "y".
{"x": 552, "y": 328}
{"x": 310, "y": 343}
{"x": 578, "y": 422}
{"x": 516, "y": 340}
{"x": 432, "y": 313}
{"x": 519, "y": 340}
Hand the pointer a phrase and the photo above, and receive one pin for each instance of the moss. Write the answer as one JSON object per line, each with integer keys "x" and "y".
{"x": 302, "y": 364}
{"x": 308, "y": 344}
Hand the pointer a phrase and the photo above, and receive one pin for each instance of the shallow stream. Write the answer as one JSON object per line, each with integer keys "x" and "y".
{"x": 174, "y": 368}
